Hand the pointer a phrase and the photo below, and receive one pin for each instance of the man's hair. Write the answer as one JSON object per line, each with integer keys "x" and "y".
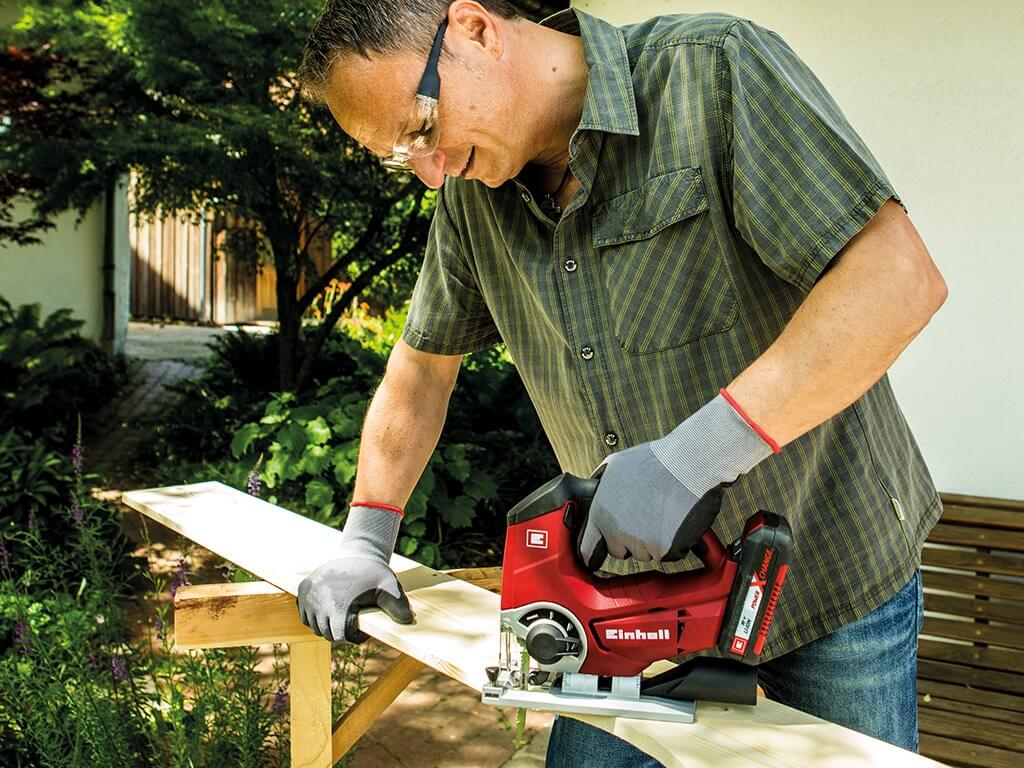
{"x": 363, "y": 27}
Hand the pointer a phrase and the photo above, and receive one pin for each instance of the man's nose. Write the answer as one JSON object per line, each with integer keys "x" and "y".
{"x": 430, "y": 169}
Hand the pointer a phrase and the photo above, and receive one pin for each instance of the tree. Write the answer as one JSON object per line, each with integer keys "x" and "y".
{"x": 199, "y": 101}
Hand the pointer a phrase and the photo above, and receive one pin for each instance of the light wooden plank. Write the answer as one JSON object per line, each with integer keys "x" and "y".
{"x": 229, "y": 615}
{"x": 309, "y": 691}
{"x": 456, "y": 632}
{"x": 384, "y": 690}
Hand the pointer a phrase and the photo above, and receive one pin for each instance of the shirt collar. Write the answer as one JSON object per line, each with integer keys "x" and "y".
{"x": 609, "y": 104}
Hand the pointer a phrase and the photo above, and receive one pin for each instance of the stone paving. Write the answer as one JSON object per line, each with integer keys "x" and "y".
{"x": 436, "y": 722}
{"x": 114, "y": 434}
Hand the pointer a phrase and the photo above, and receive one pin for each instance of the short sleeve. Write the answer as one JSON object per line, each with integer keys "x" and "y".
{"x": 803, "y": 182}
{"x": 447, "y": 315}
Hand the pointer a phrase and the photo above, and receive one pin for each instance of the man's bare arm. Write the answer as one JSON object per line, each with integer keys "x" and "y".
{"x": 403, "y": 424}
{"x": 881, "y": 290}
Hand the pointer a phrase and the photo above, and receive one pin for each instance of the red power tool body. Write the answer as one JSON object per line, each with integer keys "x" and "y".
{"x": 571, "y": 620}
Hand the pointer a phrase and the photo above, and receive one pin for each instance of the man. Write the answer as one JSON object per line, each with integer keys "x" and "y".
{"x": 702, "y": 274}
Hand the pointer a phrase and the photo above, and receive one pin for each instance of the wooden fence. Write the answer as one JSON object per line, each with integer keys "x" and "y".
{"x": 180, "y": 271}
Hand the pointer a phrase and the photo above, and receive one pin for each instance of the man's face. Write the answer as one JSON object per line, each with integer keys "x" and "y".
{"x": 477, "y": 134}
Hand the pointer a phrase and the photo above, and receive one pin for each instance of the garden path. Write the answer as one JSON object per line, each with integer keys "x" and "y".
{"x": 436, "y": 722}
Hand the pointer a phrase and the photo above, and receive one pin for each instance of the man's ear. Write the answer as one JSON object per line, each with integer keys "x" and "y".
{"x": 472, "y": 24}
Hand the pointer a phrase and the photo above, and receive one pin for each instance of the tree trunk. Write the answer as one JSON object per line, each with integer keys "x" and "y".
{"x": 289, "y": 318}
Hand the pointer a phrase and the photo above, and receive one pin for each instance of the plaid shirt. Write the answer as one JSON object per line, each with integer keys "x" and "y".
{"x": 718, "y": 179}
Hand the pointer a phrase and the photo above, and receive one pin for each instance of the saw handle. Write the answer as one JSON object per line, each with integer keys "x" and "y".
{"x": 694, "y": 527}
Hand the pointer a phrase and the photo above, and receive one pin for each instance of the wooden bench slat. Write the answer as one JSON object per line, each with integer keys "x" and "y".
{"x": 934, "y": 662}
{"x": 975, "y": 656}
{"x": 986, "y": 516}
{"x": 961, "y": 753}
{"x": 1011, "y": 613}
{"x": 961, "y": 500}
{"x": 976, "y": 730}
{"x": 973, "y": 632}
{"x": 987, "y": 699}
{"x": 977, "y": 536}
{"x": 975, "y": 562}
{"x": 972, "y": 585}
{"x": 953, "y": 705}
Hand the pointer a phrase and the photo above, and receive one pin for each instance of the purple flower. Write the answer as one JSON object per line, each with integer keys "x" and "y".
{"x": 159, "y": 629}
{"x": 77, "y": 513}
{"x": 77, "y": 455}
{"x": 180, "y": 576}
{"x": 4, "y": 554}
{"x": 280, "y": 700}
{"x": 118, "y": 667}
{"x": 93, "y": 662}
{"x": 253, "y": 486}
{"x": 21, "y": 635}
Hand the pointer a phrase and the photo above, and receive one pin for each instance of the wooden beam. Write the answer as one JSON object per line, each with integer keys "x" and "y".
{"x": 375, "y": 699}
{"x": 228, "y": 615}
{"x": 456, "y": 632}
{"x": 309, "y": 693}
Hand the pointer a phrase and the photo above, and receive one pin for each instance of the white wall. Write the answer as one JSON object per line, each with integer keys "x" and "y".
{"x": 936, "y": 89}
{"x": 66, "y": 270}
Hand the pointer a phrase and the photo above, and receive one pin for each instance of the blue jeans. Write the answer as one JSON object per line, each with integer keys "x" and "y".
{"x": 863, "y": 676}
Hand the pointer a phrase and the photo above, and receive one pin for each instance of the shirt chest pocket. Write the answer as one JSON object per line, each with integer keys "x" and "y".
{"x": 664, "y": 278}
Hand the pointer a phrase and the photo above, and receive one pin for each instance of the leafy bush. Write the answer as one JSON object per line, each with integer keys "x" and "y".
{"x": 80, "y": 686}
{"x": 49, "y": 374}
{"x": 304, "y": 447}
{"x": 35, "y": 479}
{"x": 308, "y": 452}
{"x": 234, "y": 389}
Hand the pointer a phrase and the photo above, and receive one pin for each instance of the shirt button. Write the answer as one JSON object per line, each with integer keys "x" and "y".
{"x": 587, "y": 352}
{"x": 526, "y": 197}
{"x": 570, "y": 265}
{"x": 611, "y": 439}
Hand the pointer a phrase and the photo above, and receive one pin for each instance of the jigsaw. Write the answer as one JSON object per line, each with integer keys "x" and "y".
{"x": 573, "y": 641}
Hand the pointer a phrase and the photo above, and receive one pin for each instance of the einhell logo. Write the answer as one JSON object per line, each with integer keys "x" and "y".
{"x": 636, "y": 634}
{"x": 536, "y": 539}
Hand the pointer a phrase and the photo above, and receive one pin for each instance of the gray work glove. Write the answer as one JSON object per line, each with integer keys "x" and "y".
{"x": 331, "y": 596}
{"x": 646, "y": 499}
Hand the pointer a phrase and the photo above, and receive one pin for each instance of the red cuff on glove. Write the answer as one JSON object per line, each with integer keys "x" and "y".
{"x": 373, "y": 505}
{"x": 750, "y": 422}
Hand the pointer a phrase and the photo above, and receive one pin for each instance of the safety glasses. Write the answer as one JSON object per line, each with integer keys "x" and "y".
{"x": 418, "y": 136}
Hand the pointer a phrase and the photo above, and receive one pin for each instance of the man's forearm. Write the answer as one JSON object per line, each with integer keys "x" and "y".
{"x": 403, "y": 424}
{"x": 860, "y": 316}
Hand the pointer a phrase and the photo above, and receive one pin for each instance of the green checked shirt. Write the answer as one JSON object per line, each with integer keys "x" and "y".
{"x": 718, "y": 179}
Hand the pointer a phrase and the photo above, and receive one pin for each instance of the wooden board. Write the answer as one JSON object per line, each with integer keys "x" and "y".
{"x": 456, "y": 632}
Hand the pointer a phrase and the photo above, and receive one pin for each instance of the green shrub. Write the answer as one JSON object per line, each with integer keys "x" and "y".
{"x": 82, "y": 686}
{"x": 33, "y": 480}
{"x": 234, "y": 389}
{"x": 304, "y": 447}
{"x": 49, "y": 374}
